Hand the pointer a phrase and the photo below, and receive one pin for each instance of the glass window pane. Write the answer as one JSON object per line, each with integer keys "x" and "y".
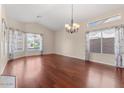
{"x": 103, "y": 21}
{"x": 18, "y": 41}
{"x": 108, "y": 45}
{"x": 108, "y": 33}
{"x": 95, "y": 45}
{"x": 108, "y": 41}
{"x": 95, "y": 41}
{"x": 95, "y": 35}
{"x": 114, "y": 18}
{"x": 34, "y": 41}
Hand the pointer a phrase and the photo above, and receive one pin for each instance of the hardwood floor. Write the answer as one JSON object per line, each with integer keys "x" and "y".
{"x": 55, "y": 71}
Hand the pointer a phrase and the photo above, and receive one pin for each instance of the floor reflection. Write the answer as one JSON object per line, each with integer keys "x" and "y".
{"x": 59, "y": 71}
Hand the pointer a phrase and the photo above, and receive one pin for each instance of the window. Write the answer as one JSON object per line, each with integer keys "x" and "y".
{"x": 18, "y": 41}
{"x": 102, "y": 41}
{"x": 103, "y": 21}
{"x": 114, "y": 18}
{"x": 95, "y": 42}
{"x": 34, "y": 41}
{"x": 108, "y": 37}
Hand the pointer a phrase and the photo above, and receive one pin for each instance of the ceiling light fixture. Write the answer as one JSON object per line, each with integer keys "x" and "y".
{"x": 39, "y": 16}
{"x": 72, "y": 27}
{"x": 38, "y": 19}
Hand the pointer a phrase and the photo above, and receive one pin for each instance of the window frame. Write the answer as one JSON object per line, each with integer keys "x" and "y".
{"x": 104, "y": 21}
{"x": 101, "y": 31}
{"x": 41, "y": 43}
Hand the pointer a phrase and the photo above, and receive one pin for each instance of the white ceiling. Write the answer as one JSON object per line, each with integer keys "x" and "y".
{"x": 54, "y": 16}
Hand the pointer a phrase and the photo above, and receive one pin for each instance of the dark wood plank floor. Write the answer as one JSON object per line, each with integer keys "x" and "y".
{"x": 55, "y": 71}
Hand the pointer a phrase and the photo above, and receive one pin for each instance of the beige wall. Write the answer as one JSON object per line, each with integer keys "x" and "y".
{"x": 73, "y": 45}
{"x": 15, "y": 24}
{"x": 70, "y": 44}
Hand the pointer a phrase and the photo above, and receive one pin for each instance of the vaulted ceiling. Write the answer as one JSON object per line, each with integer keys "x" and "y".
{"x": 54, "y": 16}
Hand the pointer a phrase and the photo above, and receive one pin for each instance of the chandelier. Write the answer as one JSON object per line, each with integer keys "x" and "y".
{"x": 72, "y": 27}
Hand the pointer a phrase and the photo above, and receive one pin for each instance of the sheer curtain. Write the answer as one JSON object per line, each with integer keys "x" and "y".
{"x": 11, "y": 43}
{"x": 119, "y": 46}
{"x": 16, "y": 42}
